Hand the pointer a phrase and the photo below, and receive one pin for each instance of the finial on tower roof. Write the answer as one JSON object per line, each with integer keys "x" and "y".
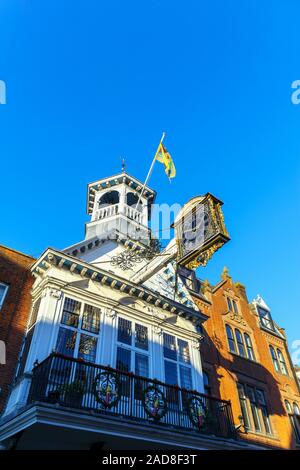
{"x": 123, "y": 165}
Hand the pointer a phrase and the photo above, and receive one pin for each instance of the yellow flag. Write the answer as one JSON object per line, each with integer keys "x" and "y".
{"x": 163, "y": 156}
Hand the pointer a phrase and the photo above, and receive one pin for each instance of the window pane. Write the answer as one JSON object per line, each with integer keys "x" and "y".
{"x": 265, "y": 318}
{"x": 265, "y": 414}
{"x": 27, "y": 343}
{"x": 66, "y": 342}
{"x": 71, "y": 312}
{"x": 288, "y": 406}
{"x": 169, "y": 346}
{"x": 141, "y": 336}
{"x": 87, "y": 348}
{"x": 234, "y": 306}
{"x": 274, "y": 358}
{"x": 3, "y": 291}
{"x": 282, "y": 362}
{"x": 123, "y": 359}
{"x": 254, "y": 408}
{"x": 124, "y": 331}
{"x": 243, "y": 403}
{"x": 240, "y": 343}
{"x": 249, "y": 347}
{"x": 296, "y": 409}
{"x": 229, "y": 303}
{"x": 141, "y": 365}
{"x": 230, "y": 338}
{"x": 171, "y": 377}
{"x": 91, "y": 319}
{"x": 123, "y": 363}
{"x": 183, "y": 351}
{"x": 185, "y": 377}
{"x": 34, "y": 313}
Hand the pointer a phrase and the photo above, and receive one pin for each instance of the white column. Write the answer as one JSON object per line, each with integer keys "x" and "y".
{"x": 197, "y": 366}
{"x": 108, "y": 338}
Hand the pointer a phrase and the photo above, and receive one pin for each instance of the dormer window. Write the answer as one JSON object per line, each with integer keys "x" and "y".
{"x": 265, "y": 318}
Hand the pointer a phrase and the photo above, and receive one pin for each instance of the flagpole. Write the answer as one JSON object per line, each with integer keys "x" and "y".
{"x": 150, "y": 170}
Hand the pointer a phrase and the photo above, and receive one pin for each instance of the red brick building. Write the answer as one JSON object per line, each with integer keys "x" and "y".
{"x": 246, "y": 360}
{"x": 15, "y": 303}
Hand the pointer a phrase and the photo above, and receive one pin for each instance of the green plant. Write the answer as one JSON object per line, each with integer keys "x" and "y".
{"x": 76, "y": 387}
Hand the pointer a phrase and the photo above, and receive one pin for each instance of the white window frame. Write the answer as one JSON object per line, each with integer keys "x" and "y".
{"x": 79, "y": 330}
{"x": 6, "y": 287}
{"x": 178, "y": 363}
{"x": 132, "y": 347}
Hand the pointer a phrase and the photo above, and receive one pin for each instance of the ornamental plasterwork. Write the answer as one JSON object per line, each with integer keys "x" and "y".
{"x": 204, "y": 257}
{"x": 52, "y": 293}
{"x": 237, "y": 318}
{"x": 111, "y": 313}
{"x": 157, "y": 330}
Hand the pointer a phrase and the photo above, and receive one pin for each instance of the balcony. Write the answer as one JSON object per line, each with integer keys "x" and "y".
{"x": 115, "y": 209}
{"x": 72, "y": 384}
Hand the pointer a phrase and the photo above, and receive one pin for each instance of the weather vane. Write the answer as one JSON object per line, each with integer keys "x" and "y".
{"x": 123, "y": 165}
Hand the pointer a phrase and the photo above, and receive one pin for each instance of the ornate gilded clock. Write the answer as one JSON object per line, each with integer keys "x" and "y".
{"x": 200, "y": 231}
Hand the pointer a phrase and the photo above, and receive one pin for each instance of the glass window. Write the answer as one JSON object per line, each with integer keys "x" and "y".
{"x": 71, "y": 311}
{"x": 254, "y": 408}
{"x": 34, "y": 313}
{"x": 206, "y": 383}
{"x": 66, "y": 341}
{"x": 185, "y": 377}
{"x": 26, "y": 348}
{"x": 183, "y": 351}
{"x": 169, "y": 346}
{"x": 123, "y": 362}
{"x": 265, "y": 318}
{"x": 282, "y": 362}
{"x": 293, "y": 421}
{"x": 240, "y": 343}
{"x": 141, "y": 336}
{"x": 296, "y": 409}
{"x": 230, "y": 339}
{"x": 171, "y": 373}
{"x": 244, "y": 406}
{"x": 3, "y": 292}
{"x": 248, "y": 342}
{"x": 91, "y": 319}
{"x": 274, "y": 358}
{"x": 87, "y": 348}
{"x": 229, "y": 304}
{"x": 235, "y": 309}
{"x": 264, "y": 410}
{"x": 124, "y": 331}
{"x": 141, "y": 365}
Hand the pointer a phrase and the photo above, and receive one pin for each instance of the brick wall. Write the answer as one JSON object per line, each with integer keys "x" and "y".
{"x": 14, "y": 271}
{"x": 225, "y": 369}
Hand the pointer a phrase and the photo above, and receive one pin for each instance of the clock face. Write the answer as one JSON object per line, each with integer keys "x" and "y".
{"x": 195, "y": 228}
{"x": 200, "y": 231}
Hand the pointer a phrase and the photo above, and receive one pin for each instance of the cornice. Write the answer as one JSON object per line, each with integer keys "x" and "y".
{"x": 53, "y": 258}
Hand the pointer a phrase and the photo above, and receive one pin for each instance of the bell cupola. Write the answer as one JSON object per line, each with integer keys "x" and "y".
{"x": 119, "y": 206}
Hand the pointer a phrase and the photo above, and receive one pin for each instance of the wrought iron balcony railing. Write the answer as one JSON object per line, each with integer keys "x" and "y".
{"x": 73, "y": 383}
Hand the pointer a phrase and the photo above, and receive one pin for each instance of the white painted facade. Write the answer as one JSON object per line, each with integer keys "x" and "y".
{"x": 84, "y": 273}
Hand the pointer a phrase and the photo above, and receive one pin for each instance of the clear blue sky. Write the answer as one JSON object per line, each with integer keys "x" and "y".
{"x": 90, "y": 81}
